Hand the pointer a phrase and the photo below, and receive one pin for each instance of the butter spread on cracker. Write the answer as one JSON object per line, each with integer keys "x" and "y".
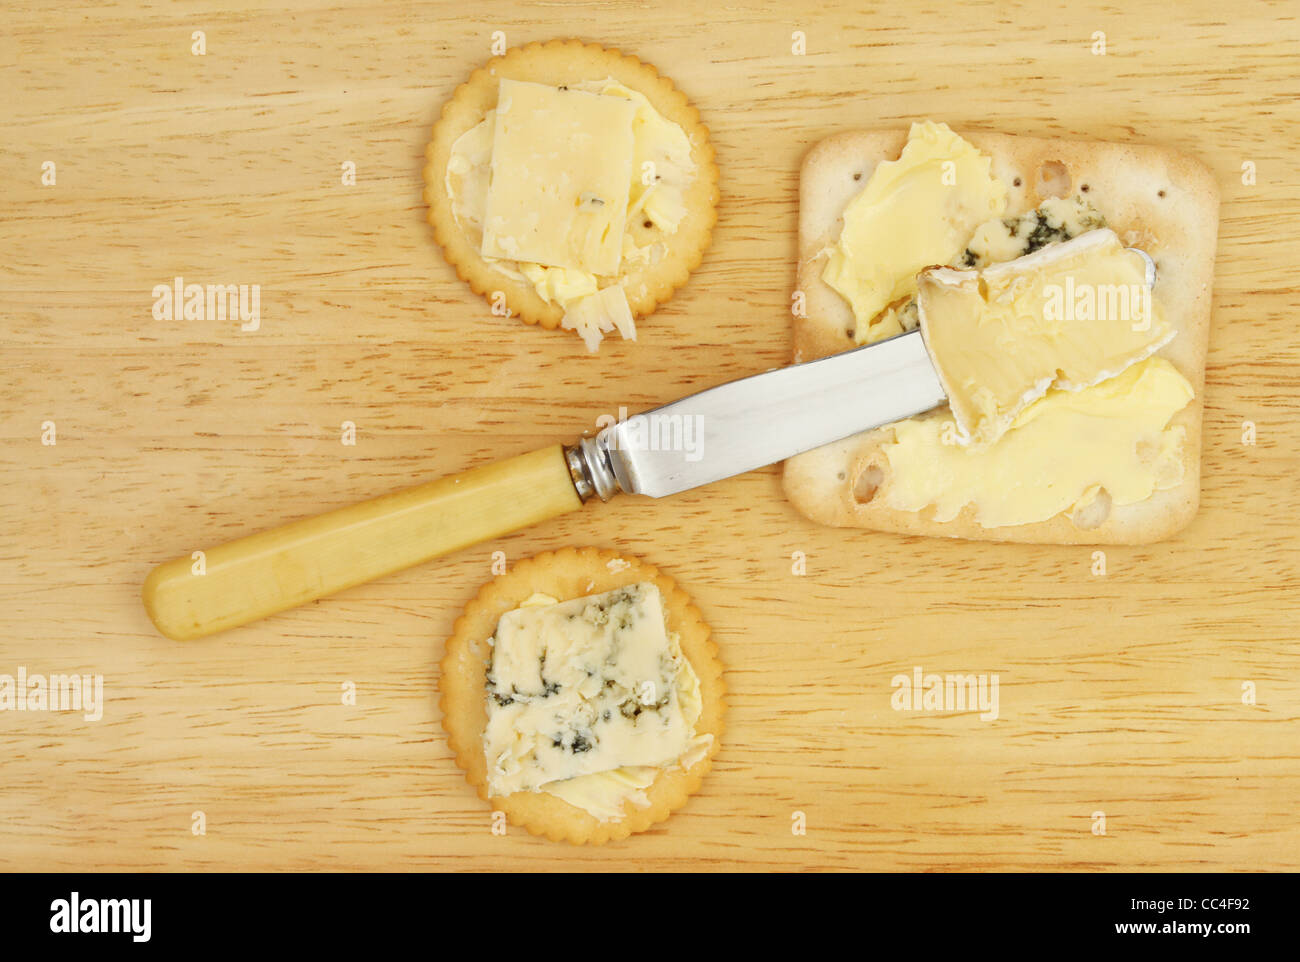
{"x": 915, "y": 212}
{"x": 553, "y": 191}
{"x": 1057, "y": 455}
{"x": 589, "y": 700}
{"x": 1055, "y": 405}
{"x": 1068, "y": 316}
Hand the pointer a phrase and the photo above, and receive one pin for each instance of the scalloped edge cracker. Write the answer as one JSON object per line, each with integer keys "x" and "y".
{"x": 557, "y": 62}
{"x": 1154, "y": 198}
{"x": 572, "y": 573}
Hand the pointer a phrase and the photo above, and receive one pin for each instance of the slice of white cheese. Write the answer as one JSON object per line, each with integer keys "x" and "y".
{"x": 661, "y": 172}
{"x": 561, "y": 173}
{"x": 582, "y": 687}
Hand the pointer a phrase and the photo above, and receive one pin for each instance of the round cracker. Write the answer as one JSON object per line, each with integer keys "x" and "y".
{"x": 559, "y": 62}
{"x": 566, "y": 574}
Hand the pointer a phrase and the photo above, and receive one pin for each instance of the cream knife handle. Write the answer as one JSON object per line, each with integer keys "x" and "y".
{"x": 268, "y": 572}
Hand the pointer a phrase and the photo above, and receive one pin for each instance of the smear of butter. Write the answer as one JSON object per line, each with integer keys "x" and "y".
{"x": 1068, "y": 316}
{"x": 915, "y": 212}
{"x": 661, "y": 155}
{"x": 1057, "y": 454}
{"x": 559, "y": 285}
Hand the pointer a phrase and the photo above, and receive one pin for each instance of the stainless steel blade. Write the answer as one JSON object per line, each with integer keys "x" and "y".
{"x": 759, "y": 420}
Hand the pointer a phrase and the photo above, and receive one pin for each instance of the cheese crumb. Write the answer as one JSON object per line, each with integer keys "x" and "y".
{"x": 596, "y": 315}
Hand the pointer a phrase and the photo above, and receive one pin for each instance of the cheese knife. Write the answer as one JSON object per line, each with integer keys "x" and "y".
{"x": 733, "y": 428}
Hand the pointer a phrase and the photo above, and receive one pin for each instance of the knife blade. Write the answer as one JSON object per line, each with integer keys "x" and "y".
{"x": 759, "y": 420}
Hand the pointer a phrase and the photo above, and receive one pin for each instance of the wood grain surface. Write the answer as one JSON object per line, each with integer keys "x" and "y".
{"x": 1119, "y": 693}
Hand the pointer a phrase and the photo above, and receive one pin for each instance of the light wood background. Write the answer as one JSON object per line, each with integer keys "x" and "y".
{"x": 1120, "y": 694}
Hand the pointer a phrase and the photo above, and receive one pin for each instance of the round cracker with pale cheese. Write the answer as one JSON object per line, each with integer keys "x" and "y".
{"x": 564, "y": 575}
{"x": 557, "y": 63}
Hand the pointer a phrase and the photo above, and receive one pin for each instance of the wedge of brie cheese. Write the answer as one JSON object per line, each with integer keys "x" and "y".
{"x": 1067, "y": 317}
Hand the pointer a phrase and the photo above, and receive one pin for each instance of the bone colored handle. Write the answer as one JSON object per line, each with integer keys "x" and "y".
{"x": 288, "y": 566}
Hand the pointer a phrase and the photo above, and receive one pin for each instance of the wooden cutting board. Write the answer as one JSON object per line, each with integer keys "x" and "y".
{"x": 1120, "y": 693}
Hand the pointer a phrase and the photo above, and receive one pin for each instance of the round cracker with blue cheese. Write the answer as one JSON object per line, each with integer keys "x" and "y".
{"x": 466, "y": 689}
{"x": 664, "y": 237}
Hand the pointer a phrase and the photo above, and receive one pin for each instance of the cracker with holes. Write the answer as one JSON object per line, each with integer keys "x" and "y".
{"x": 1115, "y": 462}
{"x": 572, "y": 186}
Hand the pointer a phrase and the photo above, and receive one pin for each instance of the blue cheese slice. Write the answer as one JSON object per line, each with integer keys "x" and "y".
{"x": 1055, "y": 220}
{"x": 561, "y": 172}
{"x": 587, "y": 687}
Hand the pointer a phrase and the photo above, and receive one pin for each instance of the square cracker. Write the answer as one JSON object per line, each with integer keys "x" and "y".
{"x": 1157, "y": 199}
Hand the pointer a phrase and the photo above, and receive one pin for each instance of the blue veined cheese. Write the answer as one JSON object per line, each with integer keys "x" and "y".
{"x": 1055, "y": 220}
{"x": 589, "y": 699}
